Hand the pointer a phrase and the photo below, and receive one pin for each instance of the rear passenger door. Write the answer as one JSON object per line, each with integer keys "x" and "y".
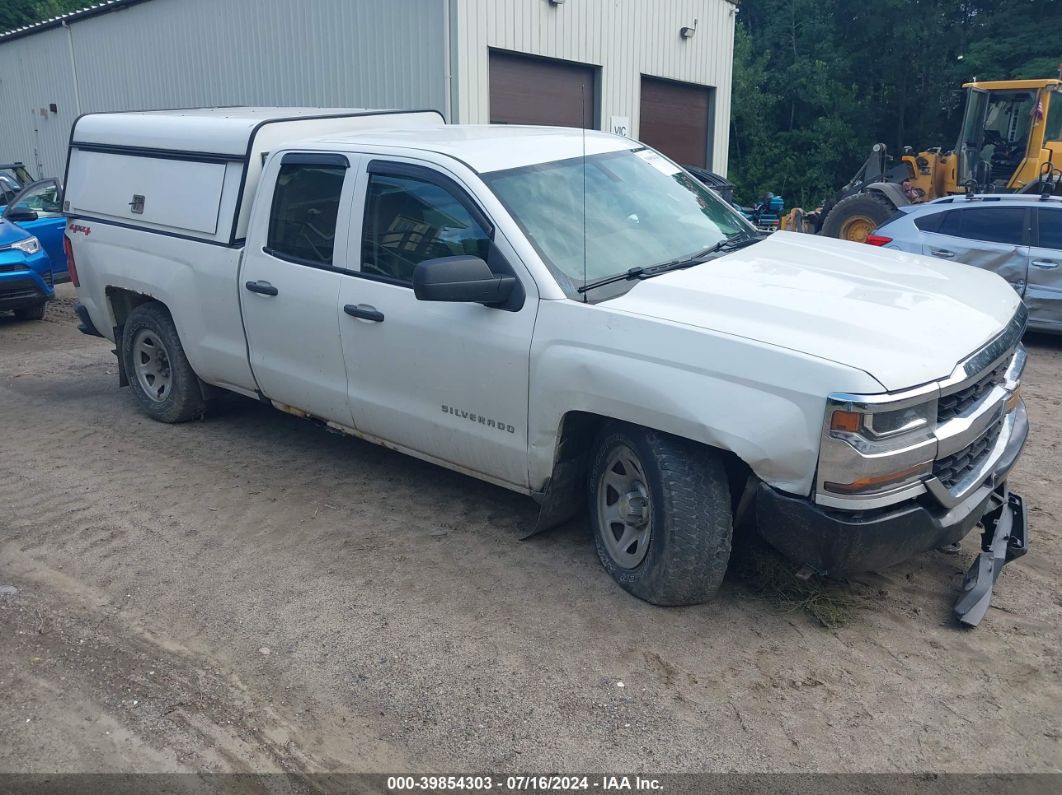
{"x": 1044, "y": 293}
{"x": 289, "y": 287}
{"x": 992, "y": 237}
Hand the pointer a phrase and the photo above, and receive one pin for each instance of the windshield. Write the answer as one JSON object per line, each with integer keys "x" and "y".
{"x": 641, "y": 210}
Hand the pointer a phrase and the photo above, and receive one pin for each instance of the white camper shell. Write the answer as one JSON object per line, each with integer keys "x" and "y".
{"x": 193, "y": 172}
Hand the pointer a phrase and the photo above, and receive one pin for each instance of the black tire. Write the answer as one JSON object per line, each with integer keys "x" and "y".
{"x": 175, "y": 394}
{"x": 854, "y": 217}
{"x": 33, "y": 312}
{"x": 690, "y": 525}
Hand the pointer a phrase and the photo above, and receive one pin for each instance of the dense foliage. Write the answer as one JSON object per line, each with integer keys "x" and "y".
{"x": 17, "y": 13}
{"x": 818, "y": 82}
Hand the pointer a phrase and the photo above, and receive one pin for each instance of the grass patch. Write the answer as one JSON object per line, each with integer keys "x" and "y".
{"x": 829, "y": 602}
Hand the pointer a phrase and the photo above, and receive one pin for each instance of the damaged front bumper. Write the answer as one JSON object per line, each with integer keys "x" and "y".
{"x": 1005, "y": 537}
{"x": 835, "y": 542}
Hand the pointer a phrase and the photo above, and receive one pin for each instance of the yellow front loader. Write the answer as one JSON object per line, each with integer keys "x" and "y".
{"x": 1011, "y": 141}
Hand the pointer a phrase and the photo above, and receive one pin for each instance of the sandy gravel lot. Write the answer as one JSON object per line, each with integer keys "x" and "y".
{"x": 249, "y": 593}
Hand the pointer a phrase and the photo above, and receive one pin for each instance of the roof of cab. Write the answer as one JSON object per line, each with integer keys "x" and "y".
{"x": 224, "y": 131}
{"x": 484, "y": 147}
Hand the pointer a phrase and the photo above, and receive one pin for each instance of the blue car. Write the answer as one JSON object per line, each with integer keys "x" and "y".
{"x": 32, "y": 253}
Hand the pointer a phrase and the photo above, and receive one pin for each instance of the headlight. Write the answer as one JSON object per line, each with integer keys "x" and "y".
{"x": 881, "y": 424}
{"x": 30, "y": 245}
{"x": 874, "y": 447}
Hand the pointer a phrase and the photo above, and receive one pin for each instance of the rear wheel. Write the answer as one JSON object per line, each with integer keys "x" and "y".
{"x": 33, "y": 312}
{"x": 660, "y": 510}
{"x": 159, "y": 373}
{"x": 855, "y": 217}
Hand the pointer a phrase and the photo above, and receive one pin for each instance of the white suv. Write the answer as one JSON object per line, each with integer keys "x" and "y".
{"x": 1015, "y": 235}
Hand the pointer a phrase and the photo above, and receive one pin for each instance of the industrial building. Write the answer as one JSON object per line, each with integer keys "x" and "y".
{"x": 656, "y": 70}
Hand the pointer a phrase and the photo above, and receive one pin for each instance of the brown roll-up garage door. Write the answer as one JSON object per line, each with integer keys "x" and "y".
{"x": 527, "y": 90}
{"x": 674, "y": 119}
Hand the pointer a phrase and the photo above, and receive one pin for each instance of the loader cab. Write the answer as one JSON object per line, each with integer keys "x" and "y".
{"x": 1005, "y": 136}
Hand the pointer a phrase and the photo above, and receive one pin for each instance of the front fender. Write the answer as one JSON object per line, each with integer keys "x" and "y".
{"x": 891, "y": 191}
{"x": 761, "y": 402}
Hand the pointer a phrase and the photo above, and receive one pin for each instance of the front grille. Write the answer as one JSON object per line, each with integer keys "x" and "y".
{"x": 951, "y": 469}
{"x": 16, "y": 291}
{"x": 18, "y": 294}
{"x": 953, "y": 405}
{"x": 12, "y": 267}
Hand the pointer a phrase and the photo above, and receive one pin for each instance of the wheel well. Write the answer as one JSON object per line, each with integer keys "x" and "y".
{"x": 891, "y": 192}
{"x": 123, "y": 302}
{"x": 580, "y": 428}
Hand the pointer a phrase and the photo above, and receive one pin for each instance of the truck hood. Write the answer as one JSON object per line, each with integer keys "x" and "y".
{"x": 902, "y": 318}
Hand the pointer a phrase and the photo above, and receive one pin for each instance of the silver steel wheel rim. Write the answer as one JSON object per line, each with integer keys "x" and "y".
{"x": 151, "y": 364}
{"x": 623, "y": 508}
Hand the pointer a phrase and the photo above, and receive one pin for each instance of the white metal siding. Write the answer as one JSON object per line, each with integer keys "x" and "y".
{"x": 193, "y": 53}
{"x": 345, "y": 53}
{"x": 627, "y": 38}
{"x": 34, "y": 72}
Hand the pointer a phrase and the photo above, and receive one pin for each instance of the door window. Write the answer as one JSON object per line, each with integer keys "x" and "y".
{"x": 302, "y": 219}
{"x": 409, "y": 220}
{"x": 933, "y": 222}
{"x": 990, "y": 224}
{"x": 1050, "y": 223}
{"x": 43, "y": 199}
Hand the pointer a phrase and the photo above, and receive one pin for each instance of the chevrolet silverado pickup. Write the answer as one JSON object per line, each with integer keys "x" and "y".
{"x": 566, "y": 314}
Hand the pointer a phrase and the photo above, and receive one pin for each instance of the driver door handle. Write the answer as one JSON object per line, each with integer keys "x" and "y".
{"x": 262, "y": 288}
{"x": 943, "y": 253}
{"x": 1046, "y": 264}
{"x": 365, "y": 312}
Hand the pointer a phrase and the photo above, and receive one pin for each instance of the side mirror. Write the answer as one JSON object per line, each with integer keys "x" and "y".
{"x": 461, "y": 279}
{"x": 20, "y": 216}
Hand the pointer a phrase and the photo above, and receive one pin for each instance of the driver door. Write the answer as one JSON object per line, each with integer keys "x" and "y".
{"x": 447, "y": 380}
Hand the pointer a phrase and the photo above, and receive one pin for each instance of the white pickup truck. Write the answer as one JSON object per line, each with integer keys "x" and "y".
{"x": 569, "y": 315}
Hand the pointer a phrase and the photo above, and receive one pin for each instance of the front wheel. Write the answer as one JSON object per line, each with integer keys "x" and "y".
{"x": 159, "y": 373}
{"x": 661, "y": 515}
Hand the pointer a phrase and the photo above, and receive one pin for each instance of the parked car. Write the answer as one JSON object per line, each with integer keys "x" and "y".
{"x": 1018, "y": 236}
{"x": 716, "y": 182}
{"x": 440, "y": 290}
{"x": 25, "y": 273}
{"x": 32, "y": 251}
{"x": 38, "y": 209}
{"x": 765, "y": 215}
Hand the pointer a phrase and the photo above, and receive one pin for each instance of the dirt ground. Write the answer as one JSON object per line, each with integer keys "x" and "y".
{"x": 249, "y": 593}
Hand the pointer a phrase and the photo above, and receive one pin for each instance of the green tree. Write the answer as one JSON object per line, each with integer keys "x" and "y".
{"x": 19, "y": 13}
{"x": 818, "y": 82}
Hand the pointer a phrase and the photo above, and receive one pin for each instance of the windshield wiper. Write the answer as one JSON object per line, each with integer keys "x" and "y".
{"x": 728, "y": 243}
